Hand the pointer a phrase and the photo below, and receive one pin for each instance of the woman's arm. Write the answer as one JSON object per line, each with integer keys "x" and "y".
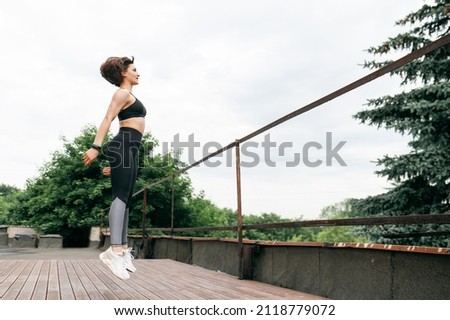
{"x": 118, "y": 101}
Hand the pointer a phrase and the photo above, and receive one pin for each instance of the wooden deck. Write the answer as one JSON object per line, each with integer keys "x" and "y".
{"x": 90, "y": 279}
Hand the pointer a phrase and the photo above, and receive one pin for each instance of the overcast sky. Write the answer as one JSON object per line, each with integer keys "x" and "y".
{"x": 216, "y": 70}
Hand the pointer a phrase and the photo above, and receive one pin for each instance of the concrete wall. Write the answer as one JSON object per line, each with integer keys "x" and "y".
{"x": 50, "y": 241}
{"x": 23, "y": 236}
{"x": 3, "y": 236}
{"x": 95, "y": 237}
{"x": 336, "y": 272}
{"x": 14, "y": 230}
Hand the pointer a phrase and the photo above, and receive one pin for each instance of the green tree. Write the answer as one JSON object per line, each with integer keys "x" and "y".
{"x": 206, "y": 213}
{"x": 67, "y": 198}
{"x": 275, "y": 234}
{"x": 341, "y": 210}
{"x": 6, "y": 190}
{"x": 421, "y": 177}
{"x": 8, "y": 196}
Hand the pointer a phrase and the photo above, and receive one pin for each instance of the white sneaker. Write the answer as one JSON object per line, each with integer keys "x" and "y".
{"x": 115, "y": 262}
{"x": 128, "y": 258}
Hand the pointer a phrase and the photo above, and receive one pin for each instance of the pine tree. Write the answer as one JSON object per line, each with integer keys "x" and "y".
{"x": 421, "y": 178}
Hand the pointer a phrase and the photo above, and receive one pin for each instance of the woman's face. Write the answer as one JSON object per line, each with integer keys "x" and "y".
{"x": 131, "y": 75}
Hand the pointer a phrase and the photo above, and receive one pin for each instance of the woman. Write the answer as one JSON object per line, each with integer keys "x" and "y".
{"x": 122, "y": 152}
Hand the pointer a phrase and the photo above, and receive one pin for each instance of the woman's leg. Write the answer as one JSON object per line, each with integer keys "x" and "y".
{"x": 134, "y": 162}
{"x": 123, "y": 154}
{"x": 122, "y": 174}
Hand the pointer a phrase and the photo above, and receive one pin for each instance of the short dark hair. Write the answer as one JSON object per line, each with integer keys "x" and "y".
{"x": 113, "y": 67}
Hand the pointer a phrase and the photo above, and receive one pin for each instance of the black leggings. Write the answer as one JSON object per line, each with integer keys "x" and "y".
{"x": 123, "y": 156}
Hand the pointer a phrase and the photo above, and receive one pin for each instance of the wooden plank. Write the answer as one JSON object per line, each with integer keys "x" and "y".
{"x": 40, "y": 291}
{"x": 6, "y": 267}
{"x": 53, "y": 288}
{"x": 214, "y": 283}
{"x": 78, "y": 289}
{"x": 133, "y": 285}
{"x": 124, "y": 289}
{"x": 11, "y": 277}
{"x": 90, "y": 288}
{"x": 211, "y": 283}
{"x": 193, "y": 281}
{"x": 156, "y": 286}
{"x": 154, "y": 277}
{"x": 19, "y": 282}
{"x": 190, "y": 285}
{"x": 28, "y": 289}
{"x": 64, "y": 282}
{"x": 108, "y": 289}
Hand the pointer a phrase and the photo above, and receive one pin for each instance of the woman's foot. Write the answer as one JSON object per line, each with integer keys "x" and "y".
{"x": 115, "y": 262}
{"x": 128, "y": 258}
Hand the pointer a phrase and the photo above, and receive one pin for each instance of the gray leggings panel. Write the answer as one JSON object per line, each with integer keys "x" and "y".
{"x": 118, "y": 222}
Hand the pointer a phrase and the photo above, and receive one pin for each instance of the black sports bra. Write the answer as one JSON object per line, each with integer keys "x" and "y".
{"x": 135, "y": 110}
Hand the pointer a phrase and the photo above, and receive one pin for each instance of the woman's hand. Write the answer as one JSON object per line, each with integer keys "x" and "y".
{"x": 106, "y": 171}
{"x": 89, "y": 156}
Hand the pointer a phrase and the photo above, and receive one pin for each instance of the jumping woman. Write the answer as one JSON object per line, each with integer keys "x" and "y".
{"x": 122, "y": 153}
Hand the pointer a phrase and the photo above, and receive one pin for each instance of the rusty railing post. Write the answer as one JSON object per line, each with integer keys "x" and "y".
{"x": 239, "y": 210}
{"x": 172, "y": 204}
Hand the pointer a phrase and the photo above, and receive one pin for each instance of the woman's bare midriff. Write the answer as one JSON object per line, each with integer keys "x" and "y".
{"x": 134, "y": 123}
